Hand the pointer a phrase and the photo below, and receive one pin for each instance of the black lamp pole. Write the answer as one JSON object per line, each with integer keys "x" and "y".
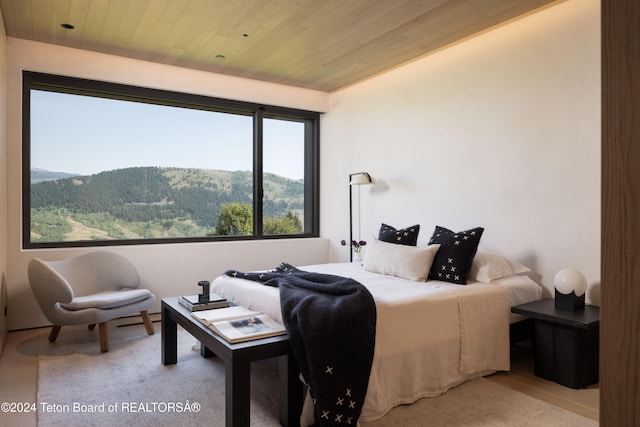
{"x": 350, "y": 220}
{"x": 351, "y": 208}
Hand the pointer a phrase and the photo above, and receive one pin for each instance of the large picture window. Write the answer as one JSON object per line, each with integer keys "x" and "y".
{"x": 108, "y": 164}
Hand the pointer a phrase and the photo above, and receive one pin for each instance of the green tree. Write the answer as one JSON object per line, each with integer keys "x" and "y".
{"x": 288, "y": 224}
{"x": 49, "y": 225}
{"x": 234, "y": 219}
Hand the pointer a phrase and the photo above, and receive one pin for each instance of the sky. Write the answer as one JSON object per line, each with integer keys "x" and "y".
{"x": 86, "y": 135}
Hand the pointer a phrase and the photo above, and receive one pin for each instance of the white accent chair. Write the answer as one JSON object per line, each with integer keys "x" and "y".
{"x": 92, "y": 288}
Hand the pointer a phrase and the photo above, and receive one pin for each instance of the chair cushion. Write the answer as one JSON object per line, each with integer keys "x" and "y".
{"x": 107, "y": 299}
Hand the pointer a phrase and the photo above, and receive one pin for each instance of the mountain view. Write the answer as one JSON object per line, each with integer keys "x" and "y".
{"x": 39, "y": 175}
{"x": 150, "y": 202}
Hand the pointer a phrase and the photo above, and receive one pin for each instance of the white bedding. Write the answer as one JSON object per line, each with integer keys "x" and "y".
{"x": 430, "y": 336}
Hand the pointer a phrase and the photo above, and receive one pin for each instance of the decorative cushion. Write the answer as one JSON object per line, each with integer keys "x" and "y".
{"x": 487, "y": 267}
{"x": 107, "y": 299}
{"x": 406, "y": 236}
{"x": 453, "y": 260}
{"x": 406, "y": 262}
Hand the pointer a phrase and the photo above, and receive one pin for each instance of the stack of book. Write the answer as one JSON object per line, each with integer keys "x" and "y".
{"x": 238, "y": 324}
{"x": 192, "y": 302}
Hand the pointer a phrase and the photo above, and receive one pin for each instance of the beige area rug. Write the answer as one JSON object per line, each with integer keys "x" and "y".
{"x": 130, "y": 386}
{"x": 481, "y": 402}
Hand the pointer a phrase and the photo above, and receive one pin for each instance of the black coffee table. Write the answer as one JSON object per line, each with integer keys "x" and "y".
{"x": 237, "y": 360}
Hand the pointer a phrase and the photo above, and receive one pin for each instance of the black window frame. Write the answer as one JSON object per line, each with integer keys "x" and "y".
{"x": 109, "y": 90}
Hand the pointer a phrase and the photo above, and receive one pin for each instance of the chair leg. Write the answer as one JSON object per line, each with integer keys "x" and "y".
{"x": 53, "y": 335}
{"x": 104, "y": 337}
{"x": 147, "y": 322}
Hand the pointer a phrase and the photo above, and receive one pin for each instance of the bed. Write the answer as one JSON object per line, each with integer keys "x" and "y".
{"x": 430, "y": 335}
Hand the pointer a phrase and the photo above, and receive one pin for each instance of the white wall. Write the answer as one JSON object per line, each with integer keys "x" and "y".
{"x": 167, "y": 270}
{"x": 500, "y": 131}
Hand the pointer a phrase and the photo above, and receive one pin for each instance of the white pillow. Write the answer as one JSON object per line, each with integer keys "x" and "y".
{"x": 487, "y": 267}
{"x": 406, "y": 262}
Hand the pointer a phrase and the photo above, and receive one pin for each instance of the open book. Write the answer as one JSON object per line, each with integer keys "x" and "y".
{"x": 237, "y": 323}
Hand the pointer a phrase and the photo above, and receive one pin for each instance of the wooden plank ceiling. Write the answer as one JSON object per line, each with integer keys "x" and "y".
{"x": 317, "y": 44}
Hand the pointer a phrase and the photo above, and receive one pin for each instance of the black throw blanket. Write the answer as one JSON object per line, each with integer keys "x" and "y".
{"x": 331, "y": 324}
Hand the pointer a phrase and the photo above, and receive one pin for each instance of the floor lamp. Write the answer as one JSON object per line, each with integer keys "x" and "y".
{"x": 358, "y": 178}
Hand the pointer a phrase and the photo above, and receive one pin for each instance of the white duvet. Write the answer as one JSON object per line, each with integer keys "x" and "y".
{"x": 430, "y": 336}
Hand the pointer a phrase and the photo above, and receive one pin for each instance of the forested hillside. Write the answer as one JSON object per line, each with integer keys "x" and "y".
{"x": 39, "y": 175}
{"x": 149, "y": 202}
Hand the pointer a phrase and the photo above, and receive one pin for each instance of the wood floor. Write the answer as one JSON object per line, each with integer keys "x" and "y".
{"x": 585, "y": 402}
{"x": 19, "y": 372}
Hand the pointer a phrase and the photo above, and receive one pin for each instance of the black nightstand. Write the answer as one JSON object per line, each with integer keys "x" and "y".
{"x": 565, "y": 343}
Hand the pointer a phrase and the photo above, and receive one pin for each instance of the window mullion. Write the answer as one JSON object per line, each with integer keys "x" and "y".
{"x": 312, "y": 179}
{"x": 258, "y": 193}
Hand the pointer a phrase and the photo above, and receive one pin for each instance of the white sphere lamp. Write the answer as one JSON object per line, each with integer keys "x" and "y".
{"x": 571, "y": 287}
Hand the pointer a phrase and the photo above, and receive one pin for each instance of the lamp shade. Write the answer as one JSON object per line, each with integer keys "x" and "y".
{"x": 360, "y": 178}
{"x": 570, "y": 280}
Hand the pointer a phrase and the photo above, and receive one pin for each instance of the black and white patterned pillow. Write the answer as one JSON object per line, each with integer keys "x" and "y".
{"x": 406, "y": 236}
{"x": 455, "y": 256}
